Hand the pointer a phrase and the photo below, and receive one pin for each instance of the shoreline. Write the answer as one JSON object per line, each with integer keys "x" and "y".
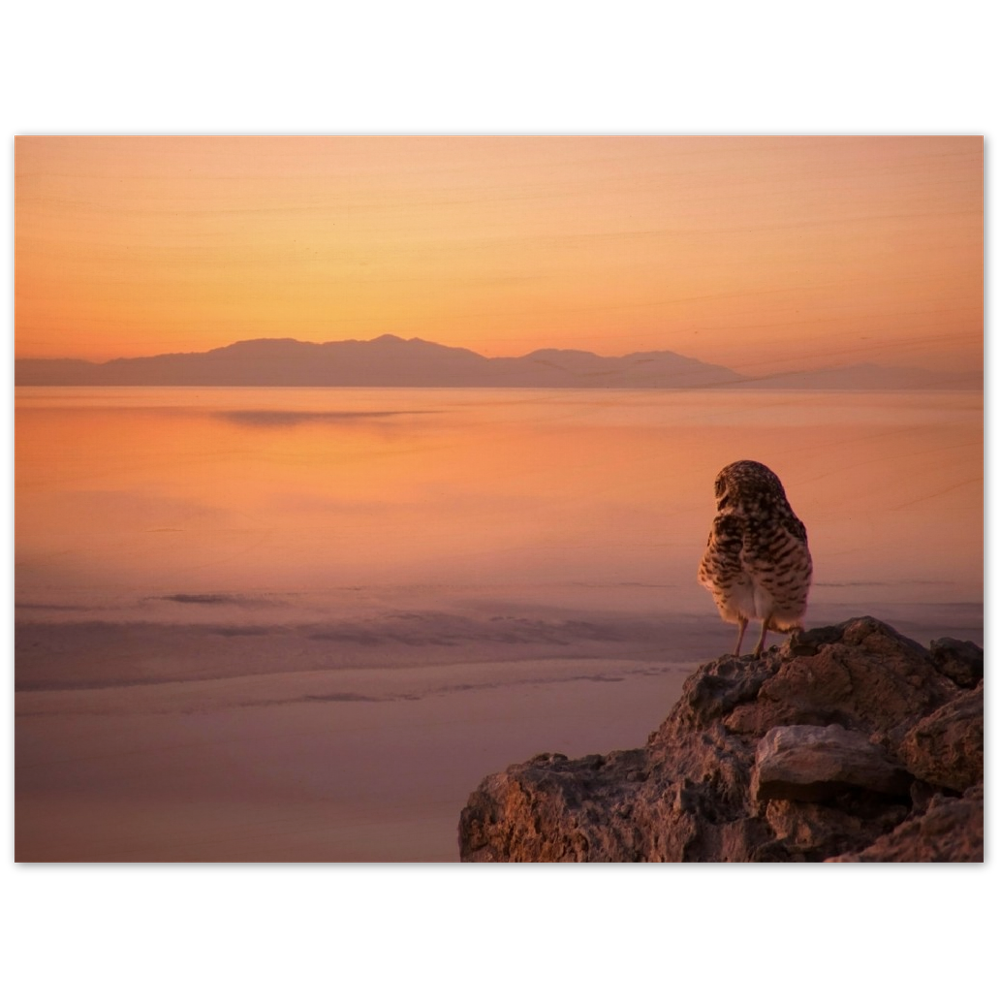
{"x": 293, "y": 749}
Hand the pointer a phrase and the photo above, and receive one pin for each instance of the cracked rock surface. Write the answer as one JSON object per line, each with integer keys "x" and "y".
{"x": 848, "y": 743}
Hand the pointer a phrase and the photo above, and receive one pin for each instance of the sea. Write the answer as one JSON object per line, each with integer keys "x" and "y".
{"x": 301, "y": 625}
{"x": 125, "y": 496}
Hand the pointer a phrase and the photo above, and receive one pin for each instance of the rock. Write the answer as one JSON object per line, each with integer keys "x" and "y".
{"x": 946, "y": 747}
{"x": 812, "y": 763}
{"x": 950, "y": 830}
{"x": 848, "y": 743}
{"x": 960, "y": 660}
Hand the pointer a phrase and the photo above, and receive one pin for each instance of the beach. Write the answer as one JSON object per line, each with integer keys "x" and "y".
{"x": 350, "y": 740}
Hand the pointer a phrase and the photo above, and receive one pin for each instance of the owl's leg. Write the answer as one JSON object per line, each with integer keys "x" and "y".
{"x": 759, "y": 648}
{"x": 739, "y": 637}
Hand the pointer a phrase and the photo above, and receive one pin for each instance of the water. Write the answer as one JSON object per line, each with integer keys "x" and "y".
{"x": 302, "y": 496}
{"x": 286, "y": 624}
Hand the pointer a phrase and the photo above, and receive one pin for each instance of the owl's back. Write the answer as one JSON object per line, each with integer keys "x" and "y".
{"x": 757, "y": 563}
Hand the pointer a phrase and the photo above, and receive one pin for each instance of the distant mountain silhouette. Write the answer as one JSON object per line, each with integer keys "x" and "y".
{"x": 392, "y": 361}
{"x": 868, "y": 376}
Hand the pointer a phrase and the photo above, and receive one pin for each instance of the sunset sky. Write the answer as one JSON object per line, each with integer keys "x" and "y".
{"x": 763, "y": 253}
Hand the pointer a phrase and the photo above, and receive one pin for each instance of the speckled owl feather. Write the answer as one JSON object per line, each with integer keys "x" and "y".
{"x": 757, "y": 563}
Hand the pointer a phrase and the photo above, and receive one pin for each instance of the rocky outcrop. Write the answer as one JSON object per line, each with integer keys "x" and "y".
{"x": 848, "y": 743}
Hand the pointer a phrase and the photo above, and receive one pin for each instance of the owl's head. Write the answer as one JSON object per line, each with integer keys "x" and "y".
{"x": 747, "y": 480}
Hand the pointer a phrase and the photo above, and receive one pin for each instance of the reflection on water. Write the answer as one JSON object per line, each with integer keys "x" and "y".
{"x": 241, "y": 493}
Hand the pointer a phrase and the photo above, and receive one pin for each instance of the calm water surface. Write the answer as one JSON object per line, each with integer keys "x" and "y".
{"x": 302, "y": 498}
{"x": 287, "y": 625}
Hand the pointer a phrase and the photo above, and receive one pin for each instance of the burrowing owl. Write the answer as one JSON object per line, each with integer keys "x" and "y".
{"x": 757, "y": 563}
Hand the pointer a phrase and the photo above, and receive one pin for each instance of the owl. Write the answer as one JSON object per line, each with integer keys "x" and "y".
{"x": 757, "y": 563}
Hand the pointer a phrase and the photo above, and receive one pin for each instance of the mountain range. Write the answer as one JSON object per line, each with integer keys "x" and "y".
{"x": 392, "y": 361}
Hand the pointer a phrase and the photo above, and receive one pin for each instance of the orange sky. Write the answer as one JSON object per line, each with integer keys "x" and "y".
{"x": 763, "y": 254}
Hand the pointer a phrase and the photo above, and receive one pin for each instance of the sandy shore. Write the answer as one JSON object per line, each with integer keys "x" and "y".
{"x": 174, "y": 773}
{"x": 358, "y": 739}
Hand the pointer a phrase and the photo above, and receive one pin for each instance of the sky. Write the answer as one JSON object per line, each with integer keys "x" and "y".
{"x": 764, "y": 254}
